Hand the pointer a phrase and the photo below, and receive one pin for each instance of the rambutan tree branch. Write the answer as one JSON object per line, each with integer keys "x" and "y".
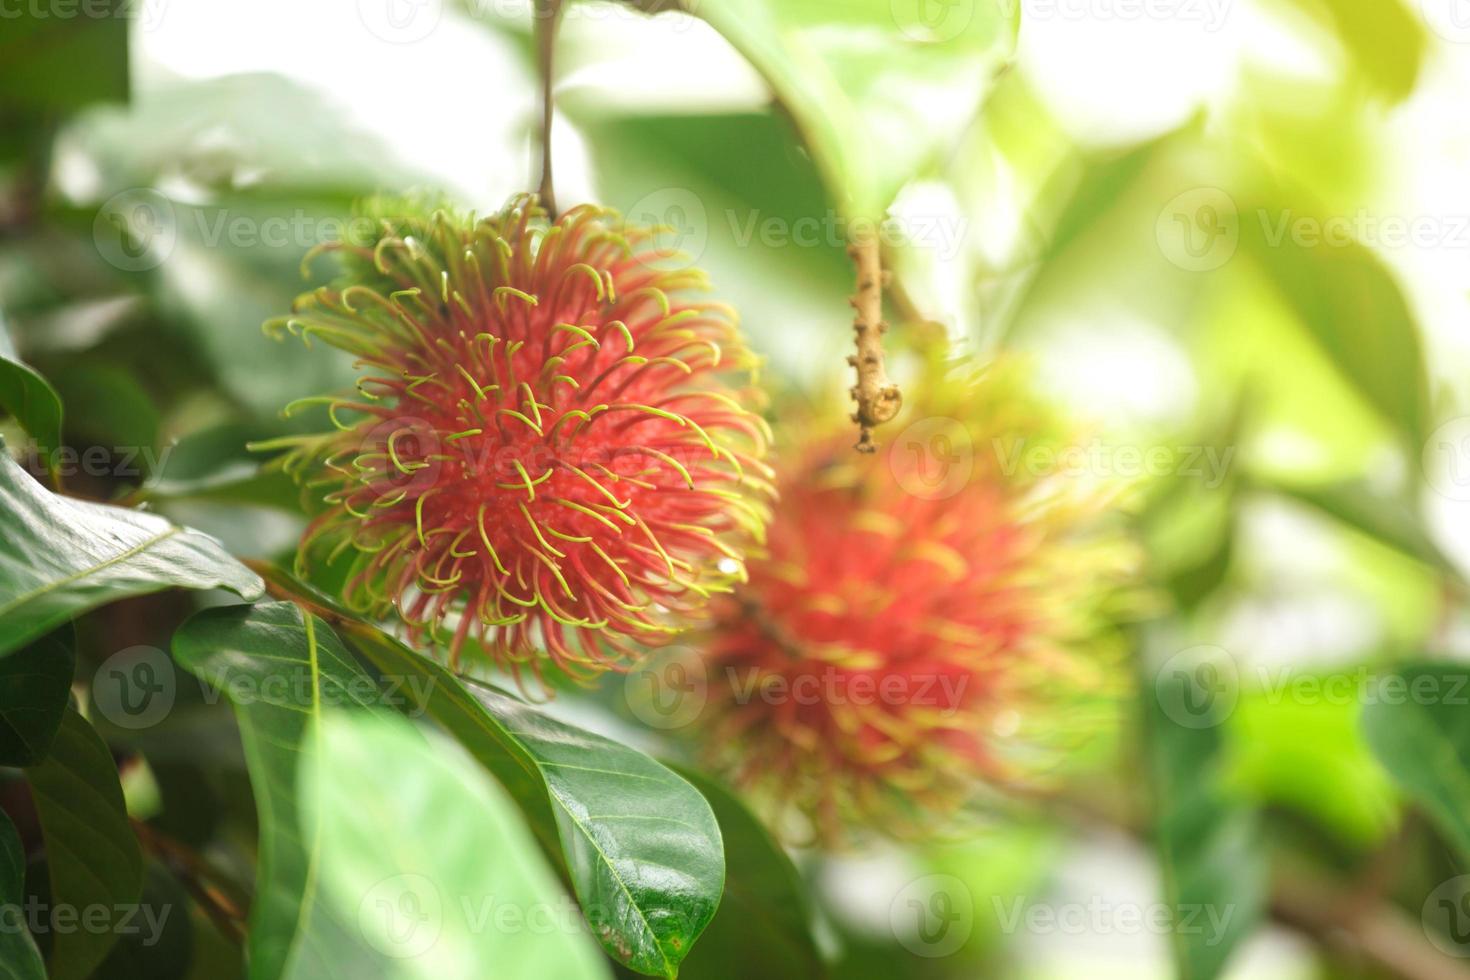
{"x": 877, "y": 398}
{"x": 548, "y": 19}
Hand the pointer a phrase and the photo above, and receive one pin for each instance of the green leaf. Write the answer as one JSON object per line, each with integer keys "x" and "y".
{"x": 1395, "y": 523}
{"x": 30, "y": 399}
{"x": 280, "y": 667}
{"x": 1418, "y": 726}
{"x": 763, "y": 927}
{"x": 35, "y": 685}
{"x": 91, "y": 850}
{"x": 160, "y": 944}
{"x": 641, "y": 846}
{"x": 878, "y": 94}
{"x": 1354, "y": 310}
{"x": 60, "y": 557}
{"x": 431, "y": 861}
{"x": 1386, "y": 40}
{"x": 213, "y": 464}
{"x": 1306, "y": 754}
{"x": 40, "y": 55}
{"x": 18, "y": 953}
{"x": 1207, "y": 838}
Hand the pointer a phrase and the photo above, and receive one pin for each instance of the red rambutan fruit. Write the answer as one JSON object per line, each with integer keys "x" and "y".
{"x": 548, "y": 450}
{"x": 928, "y": 619}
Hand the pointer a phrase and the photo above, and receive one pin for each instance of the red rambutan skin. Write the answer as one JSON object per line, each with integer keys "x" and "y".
{"x": 548, "y": 444}
{"x": 879, "y": 658}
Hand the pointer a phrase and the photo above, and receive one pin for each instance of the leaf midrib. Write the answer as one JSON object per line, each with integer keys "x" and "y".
{"x": 51, "y": 586}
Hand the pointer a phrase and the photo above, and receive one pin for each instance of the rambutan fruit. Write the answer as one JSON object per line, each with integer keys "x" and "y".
{"x": 554, "y": 446}
{"x": 929, "y": 620}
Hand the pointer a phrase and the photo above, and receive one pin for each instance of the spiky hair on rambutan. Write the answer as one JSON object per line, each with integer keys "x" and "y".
{"x": 553, "y": 447}
{"x": 931, "y": 622}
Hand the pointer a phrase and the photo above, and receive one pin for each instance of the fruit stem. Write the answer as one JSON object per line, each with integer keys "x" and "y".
{"x": 548, "y": 18}
{"x": 878, "y": 399}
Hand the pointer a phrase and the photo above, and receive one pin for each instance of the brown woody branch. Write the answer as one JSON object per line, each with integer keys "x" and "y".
{"x": 878, "y": 399}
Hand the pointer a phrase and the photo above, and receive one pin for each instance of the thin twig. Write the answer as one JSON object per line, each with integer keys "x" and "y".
{"x": 209, "y": 889}
{"x": 548, "y": 18}
{"x": 878, "y": 399}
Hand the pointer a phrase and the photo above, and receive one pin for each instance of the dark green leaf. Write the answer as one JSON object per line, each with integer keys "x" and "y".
{"x": 35, "y": 684}
{"x": 91, "y": 849}
{"x": 160, "y": 940}
{"x": 763, "y": 927}
{"x": 280, "y": 668}
{"x": 1208, "y": 840}
{"x": 18, "y": 953}
{"x": 214, "y": 464}
{"x": 642, "y": 847}
{"x": 430, "y": 860}
{"x": 1418, "y": 726}
{"x": 108, "y": 406}
{"x": 30, "y": 399}
{"x": 40, "y": 56}
{"x": 60, "y": 557}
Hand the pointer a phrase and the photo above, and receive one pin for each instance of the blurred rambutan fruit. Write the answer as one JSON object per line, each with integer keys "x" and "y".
{"x": 553, "y": 447}
{"x": 928, "y": 620}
